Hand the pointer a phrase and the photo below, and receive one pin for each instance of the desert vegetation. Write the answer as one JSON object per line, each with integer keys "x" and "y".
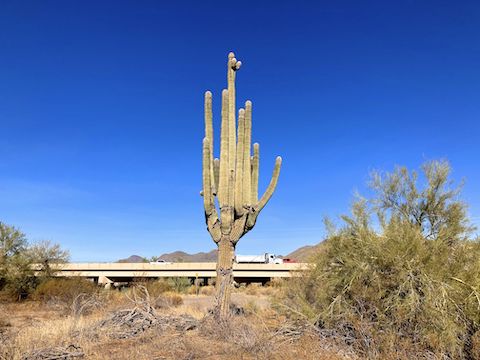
{"x": 151, "y": 320}
{"x": 397, "y": 279}
{"x": 17, "y": 256}
{"x": 400, "y": 277}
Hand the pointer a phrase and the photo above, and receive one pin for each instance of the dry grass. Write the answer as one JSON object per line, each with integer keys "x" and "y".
{"x": 258, "y": 289}
{"x": 207, "y": 290}
{"x": 32, "y": 326}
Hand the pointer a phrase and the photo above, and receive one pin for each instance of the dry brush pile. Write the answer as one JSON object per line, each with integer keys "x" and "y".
{"x": 55, "y": 353}
{"x": 130, "y": 322}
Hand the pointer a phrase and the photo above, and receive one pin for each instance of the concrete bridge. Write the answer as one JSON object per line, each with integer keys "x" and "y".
{"x": 125, "y": 272}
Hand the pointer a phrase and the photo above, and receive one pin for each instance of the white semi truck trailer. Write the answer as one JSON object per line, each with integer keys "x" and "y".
{"x": 258, "y": 259}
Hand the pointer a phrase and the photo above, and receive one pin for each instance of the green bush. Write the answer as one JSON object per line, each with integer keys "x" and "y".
{"x": 63, "y": 290}
{"x": 179, "y": 284}
{"x": 159, "y": 286}
{"x": 16, "y": 276}
{"x": 19, "y": 280}
{"x": 17, "y": 257}
{"x": 405, "y": 285}
{"x": 156, "y": 287}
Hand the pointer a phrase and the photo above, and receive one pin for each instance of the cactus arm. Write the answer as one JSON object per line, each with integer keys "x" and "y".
{"x": 209, "y": 133}
{"x": 209, "y": 118}
{"x": 232, "y": 66}
{"x": 255, "y": 172}
{"x": 207, "y": 180}
{"x": 224, "y": 173}
{"x": 231, "y": 109}
{"x": 216, "y": 172}
{"x": 271, "y": 187}
{"x": 213, "y": 226}
{"x": 239, "y": 164}
{"x": 231, "y": 189}
{"x": 247, "y": 186}
{"x": 211, "y": 215}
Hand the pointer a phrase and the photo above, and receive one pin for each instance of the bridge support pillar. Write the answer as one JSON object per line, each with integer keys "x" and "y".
{"x": 105, "y": 281}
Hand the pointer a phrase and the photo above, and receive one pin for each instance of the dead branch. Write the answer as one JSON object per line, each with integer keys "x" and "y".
{"x": 84, "y": 303}
{"x": 57, "y": 353}
{"x": 131, "y": 322}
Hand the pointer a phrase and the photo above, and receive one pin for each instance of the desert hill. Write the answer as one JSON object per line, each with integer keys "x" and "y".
{"x": 133, "y": 259}
{"x": 304, "y": 253}
{"x": 176, "y": 256}
{"x": 181, "y": 256}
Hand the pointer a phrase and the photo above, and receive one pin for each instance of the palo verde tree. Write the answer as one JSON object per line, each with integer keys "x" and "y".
{"x": 18, "y": 258}
{"x": 400, "y": 278}
{"x": 233, "y": 181}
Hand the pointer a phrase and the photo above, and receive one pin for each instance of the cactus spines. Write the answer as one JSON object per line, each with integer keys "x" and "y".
{"x": 233, "y": 180}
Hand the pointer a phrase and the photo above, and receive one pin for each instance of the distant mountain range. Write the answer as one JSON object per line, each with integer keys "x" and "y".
{"x": 176, "y": 256}
{"x": 180, "y": 256}
{"x": 305, "y": 253}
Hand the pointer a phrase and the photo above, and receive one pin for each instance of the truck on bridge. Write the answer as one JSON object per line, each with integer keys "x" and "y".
{"x": 265, "y": 258}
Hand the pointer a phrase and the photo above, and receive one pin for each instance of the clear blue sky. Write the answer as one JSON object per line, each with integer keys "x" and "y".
{"x": 101, "y": 112}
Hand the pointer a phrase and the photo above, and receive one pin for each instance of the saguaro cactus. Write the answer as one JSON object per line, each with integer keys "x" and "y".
{"x": 233, "y": 180}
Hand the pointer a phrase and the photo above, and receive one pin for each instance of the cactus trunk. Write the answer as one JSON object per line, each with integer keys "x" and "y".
{"x": 226, "y": 255}
{"x": 233, "y": 180}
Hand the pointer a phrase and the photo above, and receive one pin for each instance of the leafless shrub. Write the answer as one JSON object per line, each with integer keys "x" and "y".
{"x": 84, "y": 304}
{"x": 131, "y": 322}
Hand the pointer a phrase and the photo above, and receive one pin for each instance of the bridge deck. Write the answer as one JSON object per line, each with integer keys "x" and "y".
{"x": 132, "y": 270}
